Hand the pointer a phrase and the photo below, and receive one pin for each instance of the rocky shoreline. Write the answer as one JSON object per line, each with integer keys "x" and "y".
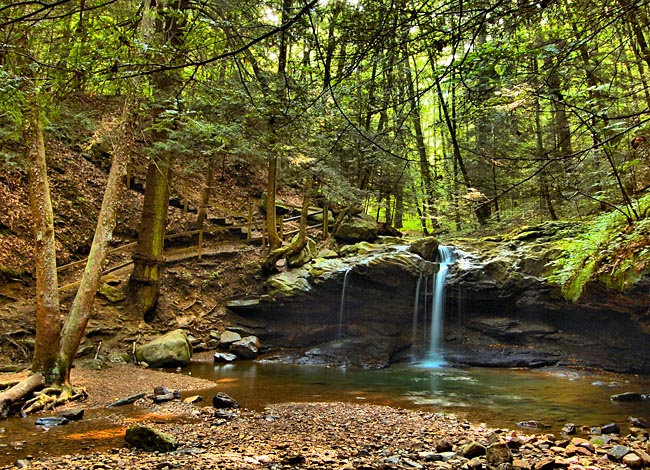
{"x": 353, "y": 436}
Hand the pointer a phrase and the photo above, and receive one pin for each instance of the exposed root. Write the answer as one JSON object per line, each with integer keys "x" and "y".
{"x": 52, "y": 397}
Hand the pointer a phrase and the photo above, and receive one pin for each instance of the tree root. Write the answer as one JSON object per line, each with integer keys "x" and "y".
{"x": 44, "y": 399}
{"x": 52, "y": 397}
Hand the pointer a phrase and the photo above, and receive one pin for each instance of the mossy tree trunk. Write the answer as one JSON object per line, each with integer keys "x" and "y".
{"x": 144, "y": 282}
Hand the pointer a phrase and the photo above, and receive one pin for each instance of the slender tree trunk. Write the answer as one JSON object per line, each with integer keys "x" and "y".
{"x": 48, "y": 323}
{"x": 562, "y": 129}
{"x": 398, "y": 221}
{"x": 280, "y": 97}
{"x": 82, "y": 306}
{"x": 205, "y": 195}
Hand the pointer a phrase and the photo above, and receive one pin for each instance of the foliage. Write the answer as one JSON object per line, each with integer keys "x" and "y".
{"x": 609, "y": 251}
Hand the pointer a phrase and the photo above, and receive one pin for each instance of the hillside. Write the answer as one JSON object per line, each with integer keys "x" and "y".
{"x": 193, "y": 293}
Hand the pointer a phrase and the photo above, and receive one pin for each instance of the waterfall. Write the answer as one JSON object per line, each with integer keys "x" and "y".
{"x": 342, "y": 306}
{"x": 445, "y": 258}
{"x": 433, "y": 327}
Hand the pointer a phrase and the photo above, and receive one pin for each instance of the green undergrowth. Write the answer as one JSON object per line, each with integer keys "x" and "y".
{"x": 609, "y": 251}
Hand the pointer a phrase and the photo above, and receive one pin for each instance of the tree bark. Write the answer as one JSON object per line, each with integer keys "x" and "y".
{"x": 82, "y": 306}
{"x": 48, "y": 323}
{"x": 144, "y": 282}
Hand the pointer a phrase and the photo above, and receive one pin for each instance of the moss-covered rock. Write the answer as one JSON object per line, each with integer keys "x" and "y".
{"x": 170, "y": 350}
{"x": 150, "y": 439}
{"x": 359, "y": 228}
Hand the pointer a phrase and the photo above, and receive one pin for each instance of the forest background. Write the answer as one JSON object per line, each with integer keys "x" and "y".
{"x": 434, "y": 116}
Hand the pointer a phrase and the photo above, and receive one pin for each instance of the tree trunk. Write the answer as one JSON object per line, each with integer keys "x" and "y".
{"x": 144, "y": 283}
{"x": 205, "y": 195}
{"x": 82, "y": 306}
{"x": 48, "y": 325}
{"x": 301, "y": 240}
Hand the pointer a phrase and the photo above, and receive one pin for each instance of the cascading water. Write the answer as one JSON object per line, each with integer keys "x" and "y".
{"x": 342, "y": 306}
{"x": 433, "y": 327}
{"x": 445, "y": 258}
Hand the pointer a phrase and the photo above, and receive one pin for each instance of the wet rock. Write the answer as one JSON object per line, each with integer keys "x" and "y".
{"x": 611, "y": 428}
{"x": 498, "y": 454}
{"x": 531, "y": 424}
{"x": 638, "y": 422}
{"x": 473, "y": 449}
{"x": 223, "y": 401}
{"x": 50, "y": 421}
{"x": 569, "y": 428}
{"x": 73, "y": 415}
{"x": 223, "y": 358}
{"x": 170, "y": 350}
{"x": 427, "y": 248}
{"x": 150, "y": 439}
{"x": 246, "y": 348}
{"x": 627, "y": 396}
{"x": 644, "y": 456}
{"x": 163, "y": 394}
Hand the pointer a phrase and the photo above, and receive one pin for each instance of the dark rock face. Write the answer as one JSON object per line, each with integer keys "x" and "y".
{"x": 501, "y": 297}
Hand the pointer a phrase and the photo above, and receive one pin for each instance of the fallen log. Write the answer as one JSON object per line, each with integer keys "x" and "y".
{"x": 19, "y": 392}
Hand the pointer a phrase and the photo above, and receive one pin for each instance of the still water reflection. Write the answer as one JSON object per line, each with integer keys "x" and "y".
{"x": 497, "y": 397}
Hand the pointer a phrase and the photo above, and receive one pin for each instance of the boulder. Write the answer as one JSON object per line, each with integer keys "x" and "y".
{"x": 170, "y": 350}
{"x": 427, "y": 248}
{"x": 150, "y": 439}
{"x": 246, "y": 348}
{"x": 358, "y": 228}
{"x": 473, "y": 449}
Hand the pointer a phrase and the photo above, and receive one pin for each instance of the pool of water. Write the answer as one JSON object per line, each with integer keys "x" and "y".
{"x": 497, "y": 397}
